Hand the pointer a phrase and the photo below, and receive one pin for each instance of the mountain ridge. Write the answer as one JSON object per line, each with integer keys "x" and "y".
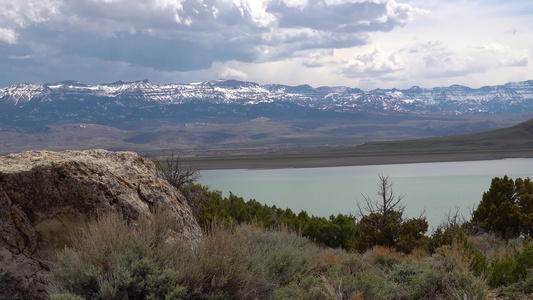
{"x": 219, "y": 115}
{"x": 513, "y": 97}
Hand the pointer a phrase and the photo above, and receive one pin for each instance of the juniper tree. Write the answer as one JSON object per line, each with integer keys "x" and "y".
{"x": 506, "y": 209}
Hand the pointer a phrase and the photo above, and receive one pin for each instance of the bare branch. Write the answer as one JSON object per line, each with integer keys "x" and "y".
{"x": 387, "y": 200}
{"x": 388, "y": 207}
{"x": 172, "y": 170}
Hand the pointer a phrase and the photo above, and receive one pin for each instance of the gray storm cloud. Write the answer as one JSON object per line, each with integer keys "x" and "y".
{"x": 188, "y": 34}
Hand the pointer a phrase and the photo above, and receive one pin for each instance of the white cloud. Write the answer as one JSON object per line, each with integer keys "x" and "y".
{"x": 229, "y": 73}
{"x": 8, "y": 35}
{"x": 26, "y": 13}
{"x": 402, "y": 13}
{"x": 297, "y": 3}
{"x": 455, "y": 42}
{"x": 372, "y": 62}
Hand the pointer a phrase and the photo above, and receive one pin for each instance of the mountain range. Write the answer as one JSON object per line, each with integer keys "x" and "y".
{"x": 142, "y": 116}
{"x": 119, "y": 102}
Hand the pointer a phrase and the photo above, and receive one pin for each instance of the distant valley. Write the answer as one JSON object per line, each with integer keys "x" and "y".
{"x": 510, "y": 142}
{"x": 227, "y": 116}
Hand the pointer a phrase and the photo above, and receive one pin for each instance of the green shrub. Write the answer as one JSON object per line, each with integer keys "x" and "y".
{"x": 445, "y": 275}
{"x": 383, "y": 273}
{"x": 512, "y": 266}
{"x": 506, "y": 208}
{"x": 111, "y": 260}
{"x": 65, "y": 296}
{"x": 225, "y": 268}
{"x": 521, "y": 288}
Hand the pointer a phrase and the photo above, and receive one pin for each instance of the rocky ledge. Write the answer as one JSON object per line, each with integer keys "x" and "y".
{"x": 46, "y": 195}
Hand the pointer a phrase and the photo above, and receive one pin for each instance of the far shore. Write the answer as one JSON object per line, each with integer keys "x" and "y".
{"x": 317, "y": 159}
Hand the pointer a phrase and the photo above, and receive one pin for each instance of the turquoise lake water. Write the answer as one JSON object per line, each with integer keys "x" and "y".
{"x": 436, "y": 188}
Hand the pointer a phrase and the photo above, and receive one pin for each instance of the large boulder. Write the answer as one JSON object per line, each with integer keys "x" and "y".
{"x": 46, "y": 195}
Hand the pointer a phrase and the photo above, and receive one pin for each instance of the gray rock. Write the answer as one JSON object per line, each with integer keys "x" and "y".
{"x": 46, "y": 195}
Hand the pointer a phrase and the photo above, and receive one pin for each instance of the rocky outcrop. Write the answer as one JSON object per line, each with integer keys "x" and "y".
{"x": 45, "y": 195}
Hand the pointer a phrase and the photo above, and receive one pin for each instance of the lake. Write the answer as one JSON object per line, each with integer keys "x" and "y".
{"x": 437, "y": 188}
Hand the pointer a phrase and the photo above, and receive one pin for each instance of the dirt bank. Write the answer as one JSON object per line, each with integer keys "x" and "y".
{"x": 340, "y": 157}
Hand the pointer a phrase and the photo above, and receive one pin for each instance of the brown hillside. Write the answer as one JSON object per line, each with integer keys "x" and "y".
{"x": 518, "y": 137}
{"x": 511, "y": 142}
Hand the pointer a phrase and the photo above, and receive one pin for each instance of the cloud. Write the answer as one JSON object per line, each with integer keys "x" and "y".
{"x": 190, "y": 35}
{"x": 19, "y": 57}
{"x": 343, "y": 16}
{"x": 436, "y": 59}
{"x": 518, "y": 62}
{"x": 21, "y": 14}
{"x": 8, "y": 35}
{"x": 317, "y": 58}
{"x": 374, "y": 62}
{"x": 229, "y": 73}
{"x": 503, "y": 54}
{"x": 320, "y": 42}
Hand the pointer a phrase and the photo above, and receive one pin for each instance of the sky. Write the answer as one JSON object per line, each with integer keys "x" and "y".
{"x": 365, "y": 44}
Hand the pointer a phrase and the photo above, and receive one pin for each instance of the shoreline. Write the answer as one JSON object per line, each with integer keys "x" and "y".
{"x": 319, "y": 159}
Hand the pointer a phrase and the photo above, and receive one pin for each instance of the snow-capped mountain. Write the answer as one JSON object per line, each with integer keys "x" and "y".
{"x": 104, "y": 103}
